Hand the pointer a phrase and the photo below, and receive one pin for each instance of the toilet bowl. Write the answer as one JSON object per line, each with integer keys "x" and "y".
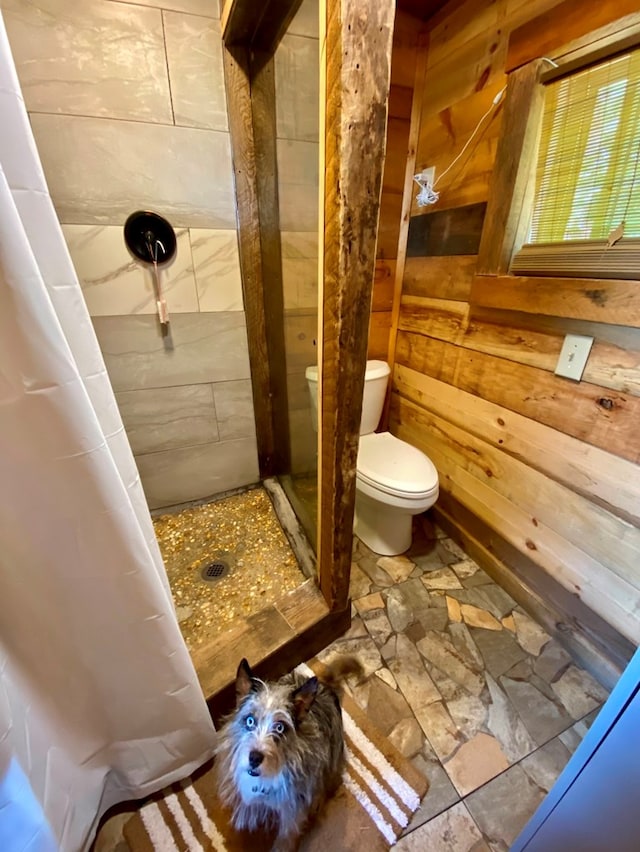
{"x": 394, "y": 480}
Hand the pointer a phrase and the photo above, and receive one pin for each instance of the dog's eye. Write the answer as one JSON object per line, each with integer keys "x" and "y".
{"x": 250, "y": 722}
{"x": 280, "y": 728}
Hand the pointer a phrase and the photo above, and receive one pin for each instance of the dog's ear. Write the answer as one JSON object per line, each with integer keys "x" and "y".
{"x": 303, "y": 698}
{"x": 244, "y": 681}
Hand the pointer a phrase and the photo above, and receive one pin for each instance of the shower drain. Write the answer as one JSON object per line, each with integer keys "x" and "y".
{"x": 213, "y": 571}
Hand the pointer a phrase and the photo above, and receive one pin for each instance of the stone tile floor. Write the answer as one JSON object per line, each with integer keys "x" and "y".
{"x": 467, "y": 686}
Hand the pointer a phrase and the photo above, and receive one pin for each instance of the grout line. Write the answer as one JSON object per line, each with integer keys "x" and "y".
{"x": 162, "y": 8}
{"x": 463, "y": 798}
{"x": 115, "y": 119}
{"x": 166, "y": 64}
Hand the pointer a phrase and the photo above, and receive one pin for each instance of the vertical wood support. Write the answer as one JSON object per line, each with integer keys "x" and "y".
{"x": 407, "y": 202}
{"x": 251, "y": 98}
{"x": 513, "y": 183}
{"x": 358, "y": 76}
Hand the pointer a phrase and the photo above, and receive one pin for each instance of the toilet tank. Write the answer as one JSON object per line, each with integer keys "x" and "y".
{"x": 376, "y": 378}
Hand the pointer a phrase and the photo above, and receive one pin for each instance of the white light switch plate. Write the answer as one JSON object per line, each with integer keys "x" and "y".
{"x": 573, "y": 356}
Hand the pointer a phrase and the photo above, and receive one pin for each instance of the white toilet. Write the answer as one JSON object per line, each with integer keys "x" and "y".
{"x": 394, "y": 480}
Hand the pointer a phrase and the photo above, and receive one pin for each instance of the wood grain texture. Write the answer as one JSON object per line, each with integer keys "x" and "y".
{"x": 383, "y": 285}
{"x": 237, "y": 82}
{"x": 389, "y": 227}
{"x": 609, "y": 301}
{"x": 379, "y": 331}
{"x": 512, "y": 184}
{"x": 611, "y": 482}
{"x": 602, "y": 538}
{"x": 598, "y": 416}
{"x": 603, "y": 591}
{"x": 358, "y": 76}
{"x": 463, "y": 160}
{"x": 420, "y": 64}
{"x": 448, "y": 277}
{"x": 400, "y": 101}
{"x": 609, "y": 366}
{"x": 274, "y": 641}
{"x": 263, "y": 104}
{"x": 546, "y": 33}
{"x": 251, "y": 96}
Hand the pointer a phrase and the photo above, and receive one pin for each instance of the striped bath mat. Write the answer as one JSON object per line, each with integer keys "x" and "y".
{"x": 380, "y": 793}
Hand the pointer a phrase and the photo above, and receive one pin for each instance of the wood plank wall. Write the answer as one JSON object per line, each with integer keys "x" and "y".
{"x": 403, "y": 62}
{"x": 549, "y": 465}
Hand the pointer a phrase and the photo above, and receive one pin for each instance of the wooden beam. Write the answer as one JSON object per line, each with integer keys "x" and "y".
{"x": 563, "y": 23}
{"x": 601, "y": 541}
{"x": 512, "y": 185}
{"x": 256, "y": 25}
{"x": 251, "y": 127}
{"x": 439, "y": 277}
{"x": 358, "y": 75}
{"x": 274, "y": 640}
{"x": 614, "y": 598}
{"x": 407, "y": 199}
{"x": 595, "y": 415}
{"x": 522, "y": 338}
{"x": 263, "y": 104}
{"x": 610, "y": 301}
{"x": 597, "y": 475}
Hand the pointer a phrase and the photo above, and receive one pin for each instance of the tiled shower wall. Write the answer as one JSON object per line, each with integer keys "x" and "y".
{"x": 128, "y": 108}
{"x": 297, "y": 107}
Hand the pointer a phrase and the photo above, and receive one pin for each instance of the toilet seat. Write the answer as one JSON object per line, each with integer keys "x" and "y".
{"x": 391, "y": 466}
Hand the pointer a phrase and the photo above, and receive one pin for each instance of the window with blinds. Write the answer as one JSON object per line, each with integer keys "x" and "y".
{"x": 586, "y": 213}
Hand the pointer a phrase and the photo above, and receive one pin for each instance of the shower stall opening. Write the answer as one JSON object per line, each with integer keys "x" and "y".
{"x": 226, "y": 560}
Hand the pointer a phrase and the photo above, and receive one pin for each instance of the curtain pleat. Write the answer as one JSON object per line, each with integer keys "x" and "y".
{"x": 99, "y": 700}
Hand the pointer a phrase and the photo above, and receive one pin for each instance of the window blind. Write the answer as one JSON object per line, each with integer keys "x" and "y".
{"x": 588, "y": 176}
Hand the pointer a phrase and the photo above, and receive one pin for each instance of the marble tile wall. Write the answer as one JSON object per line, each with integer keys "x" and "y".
{"x": 128, "y": 109}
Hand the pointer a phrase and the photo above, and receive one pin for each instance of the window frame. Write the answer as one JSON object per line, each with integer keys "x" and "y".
{"x": 512, "y": 186}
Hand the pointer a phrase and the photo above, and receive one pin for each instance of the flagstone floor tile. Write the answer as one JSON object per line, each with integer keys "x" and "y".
{"x": 485, "y": 693}
{"x": 503, "y": 806}
{"x": 454, "y": 830}
{"x": 441, "y": 796}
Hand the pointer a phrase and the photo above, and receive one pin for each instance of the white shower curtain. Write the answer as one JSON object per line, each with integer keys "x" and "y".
{"x": 99, "y": 701}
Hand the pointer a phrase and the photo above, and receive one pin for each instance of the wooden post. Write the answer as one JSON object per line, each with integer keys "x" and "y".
{"x": 422, "y": 51}
{"x": 512, "y": 185}
{"x": 358, "y": 75}
{"x": 250, "y": 93}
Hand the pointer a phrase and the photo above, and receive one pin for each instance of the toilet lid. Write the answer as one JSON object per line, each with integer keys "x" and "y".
{"x": 389, "y": 464}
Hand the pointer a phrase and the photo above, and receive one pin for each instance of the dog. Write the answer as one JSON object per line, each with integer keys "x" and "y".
{"x": 280, "y": 754}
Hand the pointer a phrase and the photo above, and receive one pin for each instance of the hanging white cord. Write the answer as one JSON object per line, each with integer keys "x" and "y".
{"x": 494, "y": 103}
{"x": 161, "y": 304}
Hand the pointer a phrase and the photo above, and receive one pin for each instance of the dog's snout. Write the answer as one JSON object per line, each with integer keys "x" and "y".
{"x": 255, "y": 759}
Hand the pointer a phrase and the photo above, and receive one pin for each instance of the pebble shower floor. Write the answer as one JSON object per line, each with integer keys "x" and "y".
{"x": 239, "y": 542}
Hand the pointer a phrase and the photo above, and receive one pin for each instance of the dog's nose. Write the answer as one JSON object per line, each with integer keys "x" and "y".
{"x": 255, "y": 759}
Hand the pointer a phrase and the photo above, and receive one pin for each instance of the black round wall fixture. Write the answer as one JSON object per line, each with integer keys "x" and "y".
{"x": 149, "y": 237}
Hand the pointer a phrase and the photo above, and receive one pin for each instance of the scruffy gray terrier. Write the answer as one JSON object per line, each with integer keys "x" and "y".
{"x": 280, "y": 755}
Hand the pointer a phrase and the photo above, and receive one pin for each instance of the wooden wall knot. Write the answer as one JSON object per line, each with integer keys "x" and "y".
{"x": 598, "y": 297}
{"x": 605, "y": 403}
